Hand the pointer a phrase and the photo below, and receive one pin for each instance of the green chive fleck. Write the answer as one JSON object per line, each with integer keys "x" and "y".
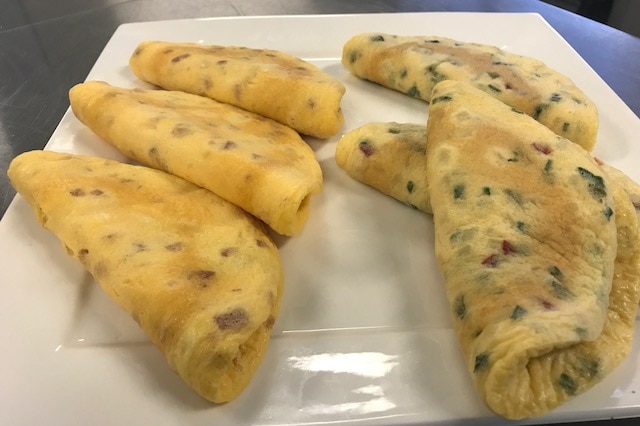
{"x": 582, "y": 332}
{"x": 482, "y": 360}
{"x": 518, "y": 312}
{"x": 414, "y": 91}
{"x": 486, "y": 191}
{"x": 436, "y": 76}
{"x": 458, "y": 191}
{"x": 514, "y": 196}
{"x": 560, "y": 291}
{"x": 522, "y": 227}
{"x": 460, "y": 308}
{"x": 494, "y": 88}
{"x": 547, "y": 172}
{"x": 568, "y": 384}
{"x": 443, "y": 98}
{"x": 393, "y": 130}
{"x": 462, "y": 235}
{"x": 590, "y": 367}
{"x": 555, "y": 97}
{"x": 565, "y": 127}
{"x": 556, "y": 273}
{"x": 540, "y": 108}
{"x": 354, "y": 56}
{"x": 410, "y": 186}
{"x": 596, "y": 184}
{"x": 377, "y": 38}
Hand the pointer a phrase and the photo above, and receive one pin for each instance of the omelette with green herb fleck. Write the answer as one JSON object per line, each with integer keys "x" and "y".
{"x": 254, "y": 162}
{"x": 390, "y": 157}
{"x": 538, "y": 249}
{"x": 200, "y": 276}
{"x": 268, "y": 82}
{"x": 632, "y": 188}
{"x": 415, "y": 64}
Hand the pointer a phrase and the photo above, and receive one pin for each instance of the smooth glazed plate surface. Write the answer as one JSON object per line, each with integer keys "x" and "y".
{"x": 364, "y": 336}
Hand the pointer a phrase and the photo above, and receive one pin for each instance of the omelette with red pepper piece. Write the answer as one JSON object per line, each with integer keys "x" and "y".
{"x": 538, "y": 248}
{"x": 632, "y": 188}
{"x": 389, "y": 157}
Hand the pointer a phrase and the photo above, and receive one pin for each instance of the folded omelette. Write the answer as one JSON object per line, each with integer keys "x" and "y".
{"x": 256, "y": 163}
{"x": 199, "y": 275}
{"x": 391, "y": 158}
{"x": 415, "y": 64}
{"x": 268, "y": 82}
{"x": 538, "y": 248}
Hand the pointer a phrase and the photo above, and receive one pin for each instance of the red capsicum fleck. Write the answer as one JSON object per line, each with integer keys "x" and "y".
{"x": 543, "y": 148}
{"x": 508, "y": 248}
{"x": 491, "y": 261}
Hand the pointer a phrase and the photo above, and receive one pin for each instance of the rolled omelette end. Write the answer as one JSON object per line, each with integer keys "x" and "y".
{"x": 564, "y": 372}
{"x": 255, "y": 163}
{"x": 200, "y": 276}
{"x": 526, "y": 240}
{"x": 413, "y": 65}
{"x": 389, "y": 157}
{"x": 267, "y": 82}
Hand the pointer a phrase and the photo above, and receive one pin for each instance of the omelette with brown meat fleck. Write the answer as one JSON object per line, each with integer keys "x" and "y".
{"x": 256, "y": 163}
{"x": 268, "y": 82}
{"x": 199, "y": 275}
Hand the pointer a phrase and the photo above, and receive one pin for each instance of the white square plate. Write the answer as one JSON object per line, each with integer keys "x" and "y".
{"x": 364, "y": 335}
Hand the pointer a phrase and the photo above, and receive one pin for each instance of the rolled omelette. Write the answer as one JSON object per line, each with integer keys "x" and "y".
{"x": 199, "y": 275}
{"x": 538, "y": 250}
{"x": 268, "y": 82}
{"x": 256, "y": 163}
{"x": 415, "y": 64}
